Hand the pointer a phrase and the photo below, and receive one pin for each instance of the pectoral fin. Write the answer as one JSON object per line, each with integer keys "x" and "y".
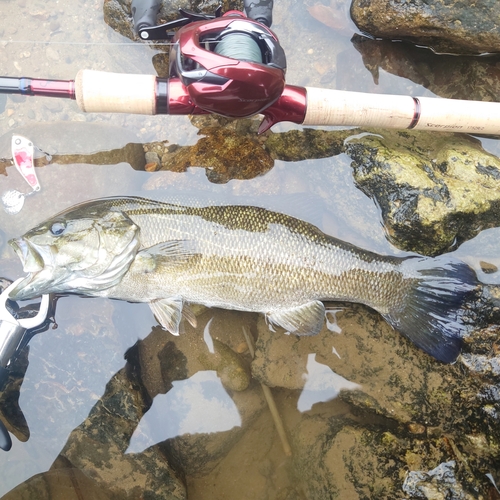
{"x": 169, "y": 313}
{"x": 306, "y": 319}
{"x": 175, "y": 251}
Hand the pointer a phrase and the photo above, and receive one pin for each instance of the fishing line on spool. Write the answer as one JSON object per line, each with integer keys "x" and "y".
{"x": 239, "y": 46}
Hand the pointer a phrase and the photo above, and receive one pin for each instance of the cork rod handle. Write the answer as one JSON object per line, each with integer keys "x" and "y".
{"x": 103, "y": 92}
{"x": 339, "y": 107}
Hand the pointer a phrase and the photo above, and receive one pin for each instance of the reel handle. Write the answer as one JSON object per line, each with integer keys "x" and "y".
{"x": 144, "y": 13}
{"x": 260, "y": 11}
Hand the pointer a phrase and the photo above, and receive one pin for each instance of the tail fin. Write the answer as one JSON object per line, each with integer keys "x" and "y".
{"x": 432, "y": 314}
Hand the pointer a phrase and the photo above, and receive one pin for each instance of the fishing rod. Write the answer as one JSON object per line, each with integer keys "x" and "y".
{"x": 233, "y": 65}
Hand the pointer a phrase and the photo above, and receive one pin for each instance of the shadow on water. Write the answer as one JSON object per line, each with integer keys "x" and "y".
{"x": 360, "y": 406}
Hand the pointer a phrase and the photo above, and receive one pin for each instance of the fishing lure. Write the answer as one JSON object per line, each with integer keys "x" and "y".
{"x": 23, "y": 157}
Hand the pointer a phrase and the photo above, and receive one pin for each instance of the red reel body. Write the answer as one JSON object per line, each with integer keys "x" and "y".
{"x": 219, "y": 84}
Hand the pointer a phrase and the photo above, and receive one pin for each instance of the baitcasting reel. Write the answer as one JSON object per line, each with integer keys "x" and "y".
{"x": 228, "y": 64}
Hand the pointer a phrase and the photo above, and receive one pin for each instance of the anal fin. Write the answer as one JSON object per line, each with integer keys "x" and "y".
{"x": 170, "y": 311}
{"x": 306, "y": 319}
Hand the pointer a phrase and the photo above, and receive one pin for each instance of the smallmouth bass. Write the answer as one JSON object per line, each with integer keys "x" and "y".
{"x": 243, "y": 258}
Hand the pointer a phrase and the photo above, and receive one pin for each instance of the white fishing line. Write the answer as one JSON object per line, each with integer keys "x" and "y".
{"x": 40, "y": 42}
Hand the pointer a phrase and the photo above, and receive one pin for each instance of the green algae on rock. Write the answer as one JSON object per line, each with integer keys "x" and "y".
{"x": 306, "y": 144}
{"x": 231, "y": 149}
{"x": 434, "y": 190}
{"x": 338, "y": 458}
{"x": 224, "y": 153}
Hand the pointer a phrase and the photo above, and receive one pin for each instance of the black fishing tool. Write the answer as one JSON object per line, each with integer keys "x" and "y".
{"x": 17, "y": 327}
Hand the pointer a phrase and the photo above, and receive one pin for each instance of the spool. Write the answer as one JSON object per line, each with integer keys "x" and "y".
{"x": 239, "y": 46}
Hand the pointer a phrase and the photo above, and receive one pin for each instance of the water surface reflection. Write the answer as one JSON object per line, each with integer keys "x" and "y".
{"x": 171, "y": 419}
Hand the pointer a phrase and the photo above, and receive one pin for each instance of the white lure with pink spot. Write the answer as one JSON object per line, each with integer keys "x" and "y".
{"x": 22, "y": 154}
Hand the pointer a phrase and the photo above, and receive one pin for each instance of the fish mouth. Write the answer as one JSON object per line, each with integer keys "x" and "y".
{"x": 30, "y": 258}
{"x": 33, "y": 263}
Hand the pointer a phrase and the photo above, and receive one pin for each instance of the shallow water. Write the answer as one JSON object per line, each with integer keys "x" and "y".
{"x": 70, "y": 366}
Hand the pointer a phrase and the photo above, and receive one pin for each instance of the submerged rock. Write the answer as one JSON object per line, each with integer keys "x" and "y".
{"x": 466, "y": 77}
{"x": 338, "y": 458}
{"x": 231, "y": 149}
{"x": 437, "y": 483}
{"x": 451, "y": 26}
{"x": 388, "y": 382}
{"x": 434, "y": 190}
{"x": 67, "y": 483}
{"x": 370, "y": 366}
{"x": 306, "y": 144}
{"x": 224, "y": 153}
{"x": 232, "y": 371}
{"x": 197, "y": 454}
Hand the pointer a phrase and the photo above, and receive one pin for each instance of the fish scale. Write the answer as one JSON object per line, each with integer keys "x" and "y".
{"x": 268, "y": 255}
{"x": 242, "y": 258}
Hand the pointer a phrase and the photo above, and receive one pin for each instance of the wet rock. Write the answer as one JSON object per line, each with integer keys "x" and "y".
{"x": 379, "y": 373}
{"x": 455, "y": 77}
{"x": 256, "y": 466}
{"x": 67, "y": 483}
{"x": 118, "y": 15}
{"x": 198, "y": 454}
{"x": 434, "y": 190}
{"x": 152, "y": 157}
{"x": 163, "y": 360}
{"x": 437, "y": 483}
{"x": 453, "y": 26}
{"x": 234, "y": 374}
{"x": 368, "y": 353}
{"x": 307, "y": 144}
{"x": 225, "y": 154}
{"x": 337, "y": 458}
{"x": 335, "y": 15}
{"x": 231, "y": 149}
{"x": 482, "y": 354}
{"x": 97, "y": 447}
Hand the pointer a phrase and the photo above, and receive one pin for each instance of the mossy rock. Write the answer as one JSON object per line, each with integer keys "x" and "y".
{"x": 434, "y": 190}
{"x": 337, "y": 459}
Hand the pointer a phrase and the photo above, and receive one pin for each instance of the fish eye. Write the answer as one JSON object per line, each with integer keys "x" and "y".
{"x": 57, "y": 228}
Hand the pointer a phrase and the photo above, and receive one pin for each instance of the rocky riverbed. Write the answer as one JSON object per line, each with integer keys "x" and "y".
{"x": 363, "y": 413}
